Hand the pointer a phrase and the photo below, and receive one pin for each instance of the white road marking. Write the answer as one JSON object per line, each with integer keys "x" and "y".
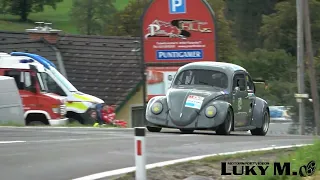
{"x": 67, "y": 140}
{"x": 166, "y": 163}
{"x": 10, "y": 142}
{"x": 115, "y": 136}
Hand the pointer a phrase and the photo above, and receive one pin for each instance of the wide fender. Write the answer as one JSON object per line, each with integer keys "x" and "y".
{"x": 156, "y": 118}
{"x": 259, "y": 107}
{"x": 222, "y": 109}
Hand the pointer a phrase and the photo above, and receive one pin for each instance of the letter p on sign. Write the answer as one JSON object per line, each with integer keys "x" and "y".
{"x": 177, "y": 6}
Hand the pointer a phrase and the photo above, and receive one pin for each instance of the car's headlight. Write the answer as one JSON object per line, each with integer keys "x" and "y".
{"x": 56, "y": 109}
{"x": 156, "y": 108}
{"x": 211, "y": 111}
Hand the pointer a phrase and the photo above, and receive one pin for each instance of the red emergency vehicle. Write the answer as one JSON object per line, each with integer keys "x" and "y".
{"x": 40, "y": 107}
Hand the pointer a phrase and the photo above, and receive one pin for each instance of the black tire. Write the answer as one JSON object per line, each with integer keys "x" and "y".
{"x": 154, "y": 129}
{"x": 226, "y": 127}
{"x": 186, "y": 131}
{"x": 265, "y": 125}
{"x": 36, "y": 123}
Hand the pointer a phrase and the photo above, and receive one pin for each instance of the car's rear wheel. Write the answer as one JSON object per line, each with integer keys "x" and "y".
{"x": 154, "y": 129}
{"x": 186, "y": 131}
{"x": 226, "y": 126}
{"x": 265, "y": 125}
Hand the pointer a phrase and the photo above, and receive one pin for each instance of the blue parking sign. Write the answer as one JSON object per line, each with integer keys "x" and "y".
{"x": 177, "y": 6}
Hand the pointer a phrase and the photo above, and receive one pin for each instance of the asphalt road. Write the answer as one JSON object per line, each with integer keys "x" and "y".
{"x": 61, "y": 154}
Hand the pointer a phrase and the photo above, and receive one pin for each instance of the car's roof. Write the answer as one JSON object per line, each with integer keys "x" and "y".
{"x": 209, "y": 65}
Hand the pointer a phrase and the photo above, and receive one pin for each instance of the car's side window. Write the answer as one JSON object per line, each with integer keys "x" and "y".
{"x": 27, "y": 80}
{"x": 185, "y": 78}
{"x": 250, "y": 85}
{"x": 189, "y": 78}
{"x": 236, "y": 79}
{"x": 23, "y": 79}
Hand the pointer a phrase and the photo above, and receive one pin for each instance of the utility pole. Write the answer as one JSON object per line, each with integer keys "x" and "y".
{"x": 143, "y": 77}
{"x": 310, "y": 65}
{"x": 300, "y": 65}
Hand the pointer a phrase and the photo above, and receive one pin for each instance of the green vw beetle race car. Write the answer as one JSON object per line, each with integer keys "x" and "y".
{"x": 210, "y": 96}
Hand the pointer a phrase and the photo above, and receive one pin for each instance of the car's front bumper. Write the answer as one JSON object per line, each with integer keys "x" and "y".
{"x": 58, "y": 122}
{"x": 200, "y": 122}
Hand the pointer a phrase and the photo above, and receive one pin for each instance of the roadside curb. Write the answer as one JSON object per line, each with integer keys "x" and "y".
{"x": 123, "y": 171}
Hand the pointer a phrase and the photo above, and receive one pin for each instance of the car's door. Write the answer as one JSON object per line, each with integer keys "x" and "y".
{"x": 240, "y": 101}
{"x": 250, "y": 88}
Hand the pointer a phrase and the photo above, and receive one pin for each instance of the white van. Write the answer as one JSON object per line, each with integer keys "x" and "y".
{"x": 11, "y": 108}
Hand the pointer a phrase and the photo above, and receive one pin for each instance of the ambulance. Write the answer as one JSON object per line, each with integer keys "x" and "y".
{"x": 78, "y": 104}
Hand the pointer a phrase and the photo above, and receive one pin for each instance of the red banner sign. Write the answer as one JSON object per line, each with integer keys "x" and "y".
{"x": 179, "y": 31}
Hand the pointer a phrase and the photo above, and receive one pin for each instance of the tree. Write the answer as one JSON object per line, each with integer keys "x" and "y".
{"x": 227, "y": 45}
{"x": 23, "y": 8}
{"x": 271, "y": 65}
{"x": 247, "y": 18}
{"x": 279, "y": 28}
{"x": 3, "y": 6}
{"x": 93, "y": 16}
{"x": 278, "y": 68}
{"x": 127, "y": 23}
{"x": 279, "y": 31}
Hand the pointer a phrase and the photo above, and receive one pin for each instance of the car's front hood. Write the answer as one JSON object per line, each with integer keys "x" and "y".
{"x": 55, "y": 96}
{"x": 87, "y": 98}
{"x": 185, "y": 104}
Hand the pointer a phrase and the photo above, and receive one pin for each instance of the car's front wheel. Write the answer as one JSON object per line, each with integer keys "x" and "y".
{"x": 154, "y": 129}
{"x": 265, "y": 125}
{"x": 226, "y": 126}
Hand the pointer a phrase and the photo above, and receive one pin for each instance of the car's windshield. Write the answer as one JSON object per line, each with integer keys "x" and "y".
{"x": 47, "y": 82}
{"x": 42, "y": 82}
{"x": 202, "y": 77}
{"x": 63, "y": 80}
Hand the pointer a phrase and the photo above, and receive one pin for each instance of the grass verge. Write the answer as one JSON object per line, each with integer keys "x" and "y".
{"x": 11, "y": 123}
{"x": 60, "y": 18}
{"x": 301, "y": 156}
{"x": 211, "y": 167}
